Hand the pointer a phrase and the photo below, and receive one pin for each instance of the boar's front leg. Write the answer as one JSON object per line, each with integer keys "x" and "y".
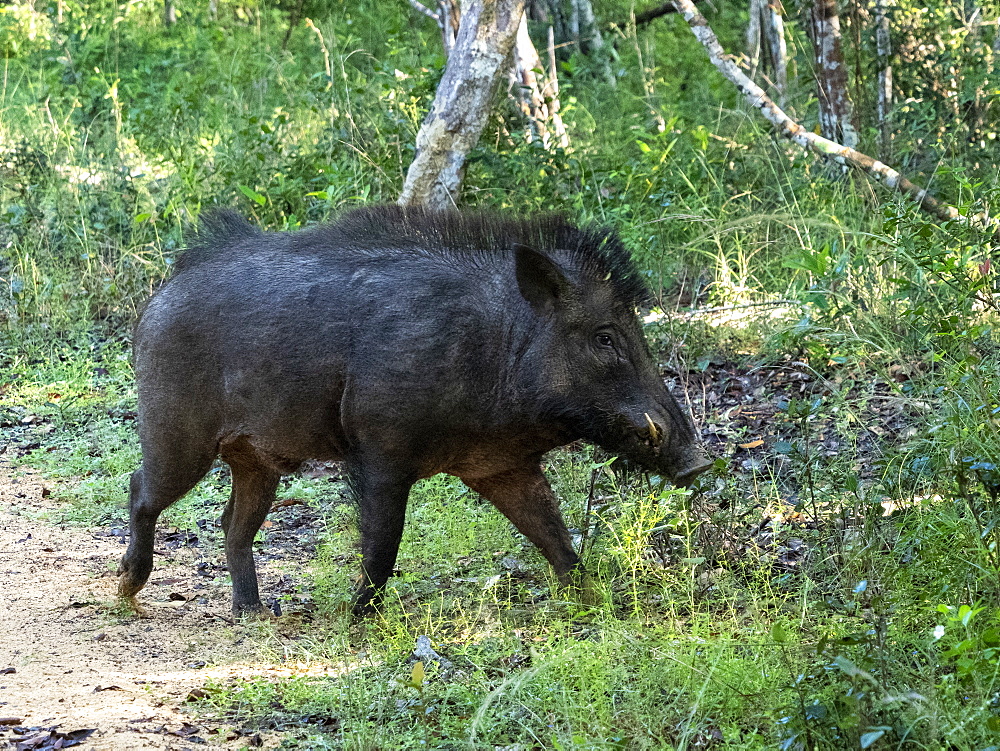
{"x": 525, "y": 497}
{"x": 381, "y": 492}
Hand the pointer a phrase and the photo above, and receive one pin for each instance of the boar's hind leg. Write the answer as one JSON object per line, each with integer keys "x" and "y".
{"x": 155, "y": 485}
{"x": 251, "y": 498}
{"x": 381, "y": 494}
{"x": 524, "y": 496}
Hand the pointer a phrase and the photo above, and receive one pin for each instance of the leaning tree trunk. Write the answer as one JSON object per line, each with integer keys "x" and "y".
{"x": 461, "y": 106}
{"x": 836, "y": 152}
{"x": 836, "y": 112}
{"x": 538, "y": 99}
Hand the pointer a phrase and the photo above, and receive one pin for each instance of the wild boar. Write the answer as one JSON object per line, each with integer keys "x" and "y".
{"x": 404, "y": 343}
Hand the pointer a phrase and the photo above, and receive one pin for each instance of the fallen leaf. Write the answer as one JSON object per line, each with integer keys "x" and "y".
{"x": 752, "y": 444}
{"x": 185, "y": 730}
{"x": 288, "y": 502}
{"x": 55, "y": 740}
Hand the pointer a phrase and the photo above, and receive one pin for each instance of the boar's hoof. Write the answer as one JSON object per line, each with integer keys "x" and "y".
{"x": 580, "y": 586}
{"x": 130, "y": 581}
{"x": 366, "y": 602}
{"x": 253, "y": 611}
{"x": 131, "y": 605}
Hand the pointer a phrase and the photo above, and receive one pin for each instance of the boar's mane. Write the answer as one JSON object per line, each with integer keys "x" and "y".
{"x": 218, "y": 229}
{"x": 597, "y": 252}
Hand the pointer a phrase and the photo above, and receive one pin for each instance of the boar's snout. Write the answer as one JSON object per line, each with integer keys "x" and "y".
{"x": 685, "y": 477}
{"x": 683, "y": 461}
{"x": 676, "y": 452}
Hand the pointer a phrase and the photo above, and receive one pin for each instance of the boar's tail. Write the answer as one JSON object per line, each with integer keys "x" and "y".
{"x": 218, "y": 229}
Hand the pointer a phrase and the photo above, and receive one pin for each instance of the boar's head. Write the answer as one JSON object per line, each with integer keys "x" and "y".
{"x": 596, "y": 377}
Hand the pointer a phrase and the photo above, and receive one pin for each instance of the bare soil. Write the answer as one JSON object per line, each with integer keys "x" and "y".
{"x": 72, "y": 660}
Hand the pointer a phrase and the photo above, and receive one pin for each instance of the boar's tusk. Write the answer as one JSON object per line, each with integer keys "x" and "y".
{"x": 654, "y": 432}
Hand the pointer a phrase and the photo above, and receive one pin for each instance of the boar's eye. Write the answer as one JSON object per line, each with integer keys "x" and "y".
{"x": 605, "y": 340}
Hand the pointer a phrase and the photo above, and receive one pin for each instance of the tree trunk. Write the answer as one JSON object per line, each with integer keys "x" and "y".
{"x": 169, "y": 14}
{"x": 773, "y": 25}
{"x": 462, "y": 104}
{"x": 574, "y": 24}
{"x": 883, "y": 50}
{"x": 836, "y": 112}
{"x": 584, "y": 27}
{"x": 559, "y": 20}
{"x": 754, "y": 36}
{"x": 766, "y": 29}
{"x": 449, "y": 20}
{"x": 524, "y": 85}
{"x": 538, "y": 100}
{"x": 552, "y": 94}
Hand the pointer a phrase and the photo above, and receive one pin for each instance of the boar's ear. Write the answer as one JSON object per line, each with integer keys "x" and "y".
{"x": 542, "y": 283}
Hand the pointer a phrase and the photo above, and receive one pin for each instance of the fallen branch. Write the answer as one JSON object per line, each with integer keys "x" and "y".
{"x": 651, "y": 14}
{"x": 836, "y": 152}
{"x": 421, "y": 8}
{"x": 741, "y": 306}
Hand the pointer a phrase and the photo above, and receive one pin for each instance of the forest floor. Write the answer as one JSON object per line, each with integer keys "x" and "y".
{"x": 73, "y": 666}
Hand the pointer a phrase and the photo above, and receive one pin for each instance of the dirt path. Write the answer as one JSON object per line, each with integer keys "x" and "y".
{"x": 71, "y": 661}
